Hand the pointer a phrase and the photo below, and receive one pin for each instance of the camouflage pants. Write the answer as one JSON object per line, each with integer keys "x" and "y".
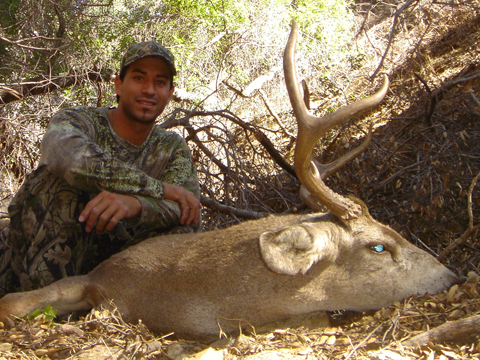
{"x": 45, "y": 242}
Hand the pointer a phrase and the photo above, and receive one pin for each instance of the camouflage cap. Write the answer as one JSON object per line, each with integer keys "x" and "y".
{"x": 146, "y": 49}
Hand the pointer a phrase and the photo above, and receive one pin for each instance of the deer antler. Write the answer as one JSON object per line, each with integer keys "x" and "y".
{"x": 311, "y": 128}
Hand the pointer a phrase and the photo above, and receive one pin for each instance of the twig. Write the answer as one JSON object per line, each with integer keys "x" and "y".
{"x": 229, "y": 210}
{"x": 397, "y": 174}
{"x": 475, "y": 98}
{"x": 364, "y": 22}
{"x": 391, "y": 36}
{"x": 437, "y": 95}
{"x": 274, "y": 114}
{"x": 259, "y": 135}
{"x": 459, "y": 330}
{"x": 363, "y": 341}
{"x": 470, "y": 229}
{"x": 46, "y": 84}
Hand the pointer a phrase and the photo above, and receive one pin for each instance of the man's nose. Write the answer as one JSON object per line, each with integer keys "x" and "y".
{"x": 148, "y": 87}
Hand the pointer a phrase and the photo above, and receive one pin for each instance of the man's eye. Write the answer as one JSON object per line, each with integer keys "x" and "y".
{"x": 378, "y": 248}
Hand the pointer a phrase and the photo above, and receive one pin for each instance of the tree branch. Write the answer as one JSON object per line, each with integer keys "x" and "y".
{"x": 44, "y": 85}
{"x": 392, "y": 35}
{"x": 229, "y": 210}
{"x": 259, "y": 135}
{"x": 437, "y": 95}
{"x": 471, "y": 228}
{"x": 459, "y": 330}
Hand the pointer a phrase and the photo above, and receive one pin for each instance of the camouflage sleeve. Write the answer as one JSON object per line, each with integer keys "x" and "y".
{"x": 179, "y": 171}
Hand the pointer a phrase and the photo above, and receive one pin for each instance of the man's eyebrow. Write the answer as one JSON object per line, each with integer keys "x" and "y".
{"x": 139, "y": 71}
{"x": 145, "y": 73}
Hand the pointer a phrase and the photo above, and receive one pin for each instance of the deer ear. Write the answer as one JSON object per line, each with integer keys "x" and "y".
{"x": 295, "y": 249}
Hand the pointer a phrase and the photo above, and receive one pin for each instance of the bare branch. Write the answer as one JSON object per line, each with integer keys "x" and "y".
{"x": 259, "y": 135}
{"x": 44, "y": 85}
{"x": 19, "y": 44}
{"x": 437, "y": 95}
{"x": 459, "y": 330}
{"x": 392, "y": 35}
{"x": 229, "y": 210}
{"x": 471, "y": 228}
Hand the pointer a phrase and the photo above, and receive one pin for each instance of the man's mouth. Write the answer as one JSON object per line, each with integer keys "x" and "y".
{"x": 146, "y": 102}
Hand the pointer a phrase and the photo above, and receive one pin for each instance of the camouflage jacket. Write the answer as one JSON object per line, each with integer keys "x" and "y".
{"x": 81, "y": 147}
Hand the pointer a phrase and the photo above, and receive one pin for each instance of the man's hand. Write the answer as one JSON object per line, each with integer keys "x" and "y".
{"x": 189, "y": 203}
{"x": 107, "y": 209}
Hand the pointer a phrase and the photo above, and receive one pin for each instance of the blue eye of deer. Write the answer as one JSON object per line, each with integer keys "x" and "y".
{"x": 377, "y": 248}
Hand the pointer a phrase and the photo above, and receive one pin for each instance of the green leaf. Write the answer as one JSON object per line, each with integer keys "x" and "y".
{"x": 49, "y": 312}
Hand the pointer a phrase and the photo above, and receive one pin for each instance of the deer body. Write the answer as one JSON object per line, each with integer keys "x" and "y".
{"x": 260, "y": 271}
{"x": 253, "y": 274}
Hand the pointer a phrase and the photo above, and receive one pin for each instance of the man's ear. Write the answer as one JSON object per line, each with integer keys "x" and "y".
{"x": 172, "y": 90}
{"x": 118, "y": 85}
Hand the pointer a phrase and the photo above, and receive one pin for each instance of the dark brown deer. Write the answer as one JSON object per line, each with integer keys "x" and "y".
{"x": 261, "y": 271}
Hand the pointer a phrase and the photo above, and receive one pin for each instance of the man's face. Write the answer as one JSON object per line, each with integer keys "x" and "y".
{"x": 145, "y": 90}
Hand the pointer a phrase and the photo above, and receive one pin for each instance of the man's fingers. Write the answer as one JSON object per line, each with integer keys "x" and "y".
{"x": 191, "y": 218}
{"x": 89, "y": 207}
{"x": 194, "y": 210}
{"x": 107, "y": 209}
{"x": 185, "y": 210}
{"x": 189, "y": 204}
{"x": 98, "y": 215}
{"x": 104, "y": 220}
{"x": 113, "y": 221}
{"x": 111, "y": 211}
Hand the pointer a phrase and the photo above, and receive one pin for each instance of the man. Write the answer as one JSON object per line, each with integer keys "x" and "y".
{"x": 107, "y": 179}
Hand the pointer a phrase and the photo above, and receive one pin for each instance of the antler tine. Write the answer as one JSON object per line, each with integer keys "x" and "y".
{"x": 326, "y": 170}
{"x": 311, "y": 128}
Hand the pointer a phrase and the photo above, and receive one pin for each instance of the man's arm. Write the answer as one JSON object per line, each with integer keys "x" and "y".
{"x": 189, "y": 203}
{"x": 107, "y": 208}
{"x": 70, "y": 151}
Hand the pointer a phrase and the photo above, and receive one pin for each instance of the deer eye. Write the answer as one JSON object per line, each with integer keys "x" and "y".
{"x": 377, "y": 248}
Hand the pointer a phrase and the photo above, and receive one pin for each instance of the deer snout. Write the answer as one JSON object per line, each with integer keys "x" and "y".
{"x": 421, "y": 273}
{"x": 439, "y": 278}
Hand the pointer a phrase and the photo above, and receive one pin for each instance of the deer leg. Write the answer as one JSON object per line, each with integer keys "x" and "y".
{"x": 66, "y": 295}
